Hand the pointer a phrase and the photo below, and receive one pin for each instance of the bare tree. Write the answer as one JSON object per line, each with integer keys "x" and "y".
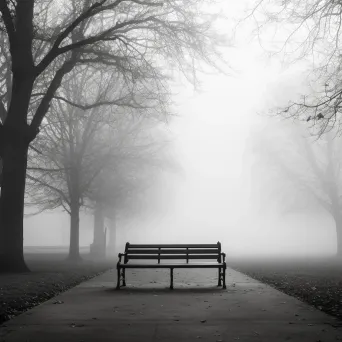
{"x": 311, "y": 31}
{"x": 46, "y": 39}
{"x": 119, "y": 192}
{"x": 81, "y": 145}
{"x": 299, "y": 172}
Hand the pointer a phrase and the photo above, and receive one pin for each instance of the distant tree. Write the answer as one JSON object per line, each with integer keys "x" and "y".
{"x": 298, "y": 172}
{"x": 79, "y": 144}
{"x": 311, "y": 31}
{"x": 120, "y": 191}
{"x": 43, "y": 41}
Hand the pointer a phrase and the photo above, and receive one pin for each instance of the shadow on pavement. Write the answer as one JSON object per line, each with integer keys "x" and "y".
{"x": 166, "y": 290}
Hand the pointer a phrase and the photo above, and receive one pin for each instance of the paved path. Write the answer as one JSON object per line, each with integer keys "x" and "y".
{"x": 195, "y": 311}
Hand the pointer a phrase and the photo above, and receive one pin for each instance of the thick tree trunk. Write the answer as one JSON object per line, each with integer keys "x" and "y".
{"x": 74, "y": 248}
{"x": 15, "y": 136}
{"x": 12, "y": 207}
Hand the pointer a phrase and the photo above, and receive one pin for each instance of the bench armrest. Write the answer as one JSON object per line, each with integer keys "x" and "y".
{"x": 120, "y": 256}
{"x": 224, "y": 256}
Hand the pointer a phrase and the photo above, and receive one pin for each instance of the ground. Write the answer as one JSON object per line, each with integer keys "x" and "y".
{"x": 196, "y": 310}
{"x": 50, "y": 275}
{"x": 317, "y": 282}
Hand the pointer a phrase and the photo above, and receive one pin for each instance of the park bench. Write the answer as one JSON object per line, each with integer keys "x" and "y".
{"x": 207, "y": 256}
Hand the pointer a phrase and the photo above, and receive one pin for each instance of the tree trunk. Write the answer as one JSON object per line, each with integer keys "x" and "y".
{"x": 12, "y": 207}
{"x": 338, "y": 221}
{"x": 74, "y": 248}
{"x": 98, "y": 224}
{"x": 15, "y": 137}
{"x": 112, "y": 236}
{"x": 98, "y": 248}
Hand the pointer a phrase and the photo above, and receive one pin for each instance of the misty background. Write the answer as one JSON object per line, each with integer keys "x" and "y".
{"x": 215, "y": 195}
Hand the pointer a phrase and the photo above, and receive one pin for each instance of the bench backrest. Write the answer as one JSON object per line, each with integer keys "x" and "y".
{"x": 173, "y": 252}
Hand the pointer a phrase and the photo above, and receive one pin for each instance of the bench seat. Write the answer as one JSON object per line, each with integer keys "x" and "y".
{"x": 159, "y": 256}
{"x": 176, "y": 265}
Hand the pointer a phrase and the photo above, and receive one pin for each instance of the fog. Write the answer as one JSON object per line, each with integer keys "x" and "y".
{"x": 209, "y": 198}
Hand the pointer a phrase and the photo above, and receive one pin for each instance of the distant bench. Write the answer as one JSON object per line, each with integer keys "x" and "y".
{"x": 206, "y": 253}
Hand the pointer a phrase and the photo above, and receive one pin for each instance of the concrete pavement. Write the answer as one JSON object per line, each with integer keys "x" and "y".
{"x": 146, "y": 310}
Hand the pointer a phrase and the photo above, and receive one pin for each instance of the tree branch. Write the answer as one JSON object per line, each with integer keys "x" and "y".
{"x": 41, "y": 182}
{"x": 3, "y": 112}
{"x": 55, "y": 51}
{"x": 118, "y": 102}
{"x": 36, "y": 150}
{"x": 46, "y": 170}
{"x": 54, "y": 85}
{"x": 105, "y": 35}
{"x": 8, "y": 20}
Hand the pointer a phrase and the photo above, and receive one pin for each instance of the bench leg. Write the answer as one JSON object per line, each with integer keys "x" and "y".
{"x": 119, "y": 276}
{"x": 219, "y": 277}
{"x": 224, "y": 278}
{"x": 171, "y": 278}
{"x": 123, "y": 277}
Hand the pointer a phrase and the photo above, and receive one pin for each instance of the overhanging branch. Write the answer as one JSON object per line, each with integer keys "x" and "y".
{"x": 8, "y": 20}
{"x": 41, "y": 182}
{"x": 50, "y": 93}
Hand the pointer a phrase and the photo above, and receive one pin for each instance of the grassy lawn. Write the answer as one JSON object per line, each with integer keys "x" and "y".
{"x": 317, "y": 282}
{"x": 50, "y": 274}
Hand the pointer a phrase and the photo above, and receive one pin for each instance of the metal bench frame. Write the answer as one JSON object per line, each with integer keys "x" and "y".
{"x": 172, "y": 252}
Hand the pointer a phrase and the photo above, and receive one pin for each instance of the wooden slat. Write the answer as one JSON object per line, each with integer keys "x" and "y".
{"x": 184, "y": 256}
{"x": 173, "y": 251}
{"x": 130, "y": 246}
{"x": 172, "y": 265}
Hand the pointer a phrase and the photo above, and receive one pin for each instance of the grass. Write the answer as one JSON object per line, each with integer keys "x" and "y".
{"x": 50, "y": 275}
{"x": 316, "y": 281}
